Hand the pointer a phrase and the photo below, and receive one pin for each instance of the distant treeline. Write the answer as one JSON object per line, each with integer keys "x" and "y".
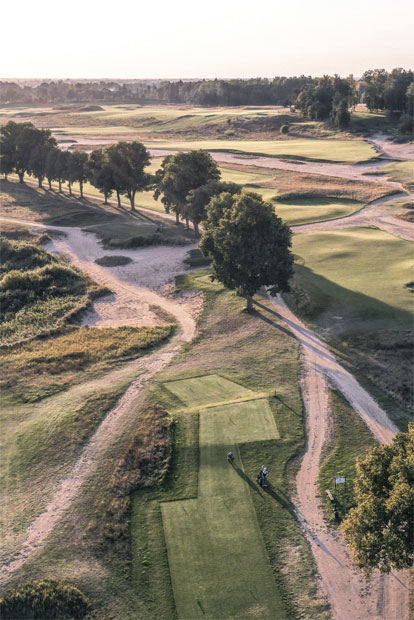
{"x": 379, "y": 88}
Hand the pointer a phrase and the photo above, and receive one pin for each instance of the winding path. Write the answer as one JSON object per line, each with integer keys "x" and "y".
{"x": 82, "y": 248}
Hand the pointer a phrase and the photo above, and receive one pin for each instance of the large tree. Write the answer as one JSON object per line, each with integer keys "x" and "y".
{"x": 380, "y": 530}
{"x": 128, "y": 161}
{"x": 248, "y": 243}
{"x": 197, "y": 200}
{"x": 18, "y": 141}
{"x": 100, "y": 173}
{"x": 181, "y": 173}
{"x": 77, "y": 169}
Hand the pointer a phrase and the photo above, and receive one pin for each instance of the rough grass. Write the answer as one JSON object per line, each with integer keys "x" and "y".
{"x": 38, "y": 291}
{"x": 46, "y": 366}
{"x": 351, "y": 440}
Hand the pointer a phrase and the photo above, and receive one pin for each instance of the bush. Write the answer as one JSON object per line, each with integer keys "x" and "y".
{"x": 284, "y": 129}
{"x": 113, "y": 261}
{"x": 46, "y": 599}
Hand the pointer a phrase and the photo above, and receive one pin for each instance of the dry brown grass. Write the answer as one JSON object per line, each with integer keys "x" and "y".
{"x": 144, "y": 463}
{"x": 301, "y": 184}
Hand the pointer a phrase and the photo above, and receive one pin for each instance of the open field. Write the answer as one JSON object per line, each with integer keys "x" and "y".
{"x": 346, "y": 151}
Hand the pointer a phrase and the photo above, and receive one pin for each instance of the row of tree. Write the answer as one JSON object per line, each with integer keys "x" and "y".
{"x": 185, "y": 182}
{"x": 329, "y": 98}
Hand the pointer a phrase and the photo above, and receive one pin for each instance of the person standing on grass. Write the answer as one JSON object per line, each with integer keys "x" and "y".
{"x": 230, "y": 457}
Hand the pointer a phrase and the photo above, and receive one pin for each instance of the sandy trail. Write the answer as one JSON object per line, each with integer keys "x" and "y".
{"x": 152, "y": 267}
{"x": 351, "y": 597}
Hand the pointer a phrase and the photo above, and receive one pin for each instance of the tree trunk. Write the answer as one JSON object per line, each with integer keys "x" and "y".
{"x": 60, "y": 186}
{"x": 118, "y": 195}
{"x": 21, "y": 177}
{"x": 106, "y": 198}
{"x": 196, "y": 229}
{"x": 39, "y": 180}
{"x": 177, "y": 219}
{"x": 81, "y": 188}
{"x": 131, "y": 194}
{"x": 70, "y": 188}
{"x": 50, "y": 185}
{"x": 249, "y": 306}
{"x": 187, "y": 223}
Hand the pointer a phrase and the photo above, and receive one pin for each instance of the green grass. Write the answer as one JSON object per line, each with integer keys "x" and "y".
{"x": 250, "y": 357}
{"x": 342, "y": 269}
{"x": 402, "y": 171}
{"x": 306, "y": 210}
{"x": 352, "y": 286}
{"x": 346, "y": 151}
{"x": 214, "y": 541}
{"x": 352, "y": 440}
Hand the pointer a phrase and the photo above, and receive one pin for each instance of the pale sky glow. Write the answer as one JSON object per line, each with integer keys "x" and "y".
{"x": 195, "y": 39}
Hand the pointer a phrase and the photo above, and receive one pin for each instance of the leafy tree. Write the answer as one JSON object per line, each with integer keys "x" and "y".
{"x": 61, "y": 168}
{"x": 248, "y": 243}
{"x": 39, "y": 155}
{"x": 100, "y": 173}
{"x": 198, "y": 199}
{"x": 18, "y": 141}
{"x": 380, "y": 530}
{"x": 128, "y": 161}
{"x": 46, "y": 598}
{"x": 77, "y": 169}
{"x": 51, "y": 170}
{"x": 181, "y": 173}
{"x": 340, "y": 113}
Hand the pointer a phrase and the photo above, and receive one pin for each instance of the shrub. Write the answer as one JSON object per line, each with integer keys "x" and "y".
{"x": 46, "y": 599}
{"x": 284, "y": 129}
{"x": 113, "y": 261}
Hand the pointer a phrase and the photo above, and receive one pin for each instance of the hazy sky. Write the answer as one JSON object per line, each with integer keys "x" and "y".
{"x": 190, "y": 38}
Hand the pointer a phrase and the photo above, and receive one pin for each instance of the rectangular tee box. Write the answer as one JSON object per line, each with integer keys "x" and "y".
{"x": 218, "y": 562}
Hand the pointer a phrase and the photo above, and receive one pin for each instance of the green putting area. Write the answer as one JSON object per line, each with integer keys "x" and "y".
{"x": 307, "y": 210}
{"x": 217, "y": 558}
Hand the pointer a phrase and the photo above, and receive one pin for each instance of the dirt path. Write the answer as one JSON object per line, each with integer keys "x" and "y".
{"x": 152, "y": 267}
{"x": 350, "y": 595}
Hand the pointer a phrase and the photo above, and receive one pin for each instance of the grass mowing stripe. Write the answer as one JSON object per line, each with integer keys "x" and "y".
{"x": 206, "y": 389}
{"x": 218, "y": 561}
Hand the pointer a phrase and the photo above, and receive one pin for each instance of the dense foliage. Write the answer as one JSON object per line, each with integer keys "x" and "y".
{"x": 46, "y": 599}
{"x": 248, "y": 243}
{"x": 380, "y": 530}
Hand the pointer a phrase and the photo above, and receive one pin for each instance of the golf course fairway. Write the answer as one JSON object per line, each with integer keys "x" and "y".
{"x": 217, "y": 558}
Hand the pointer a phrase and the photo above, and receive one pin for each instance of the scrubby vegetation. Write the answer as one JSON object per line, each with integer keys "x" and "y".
{"x": 144, "y": 463}
{"x": 46, "y": 599}
{"x": 113, "y": 261}
{"x": 38, "y": 291}
{"x": 59, "y": 360}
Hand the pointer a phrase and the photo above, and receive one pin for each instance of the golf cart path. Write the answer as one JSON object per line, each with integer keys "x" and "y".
{"x": 350, "y": 595}
{"x": 82, "y": 249}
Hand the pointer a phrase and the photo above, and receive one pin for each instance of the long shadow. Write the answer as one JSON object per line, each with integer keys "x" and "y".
{"x": 264, "y": 318}
{"x": 287, "y": 406}
{"x": 286, "y": 503}
{"x": 246, "y": 478}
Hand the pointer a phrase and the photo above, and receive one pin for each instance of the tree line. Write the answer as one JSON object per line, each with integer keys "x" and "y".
{"x": 381, "y": 90}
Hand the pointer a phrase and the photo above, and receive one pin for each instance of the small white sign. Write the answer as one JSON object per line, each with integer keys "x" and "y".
{"x": 339, "y": 480}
